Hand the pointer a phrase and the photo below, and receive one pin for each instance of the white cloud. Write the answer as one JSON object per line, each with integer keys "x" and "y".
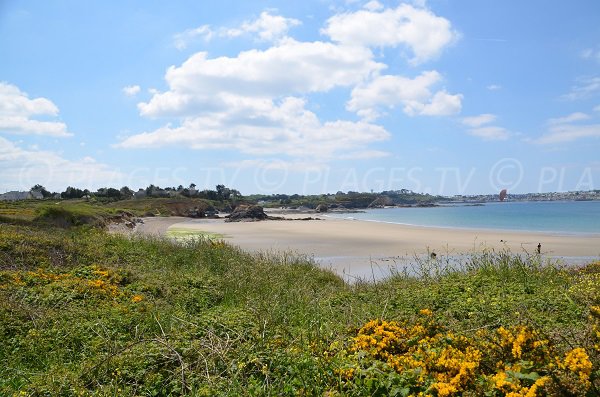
{"x": 263, "y": 127}
{"x": 425, "y": 33}
{"x": 577, "y": 116}
{"x": 17, "y": 110}
{"x": 490, "y": 133}
{"x": 23, "y": 168}
{"x": 562, "y": 133}
{"x": 591, "y": 54}
{"x": 291, "y": 67}
{"x": 586, "y": 87}
{"x": 442, "y": 104}
{"x": 480, "y": 127}
{"x": 414, "y": 95}
{"x": 478, "y": 121}
{"x": 254, "y": 102}
{"x": 373, "y": 6}
{"x": 183, "y": 39}
{"x": 131, "y": 90}
{"x": 268, "y": 27}
{"x": 597, "y": 108}
{"x": 494, "y": 87}
{"x": 365, "y": 155}
{"x": 568, "y": 129}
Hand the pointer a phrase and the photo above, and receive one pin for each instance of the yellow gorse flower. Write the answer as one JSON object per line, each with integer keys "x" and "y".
{"x": 508, "y": 361}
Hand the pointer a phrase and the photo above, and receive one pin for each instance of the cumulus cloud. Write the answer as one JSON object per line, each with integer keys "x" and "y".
{"x": 255, "y": 102}
{"x": 131, "y": 90}
{"x": 291, "y": 67}
{"x": 267, "y": 26}
{"x": 17, "y": 112}
{"x": 263, "y": 127}
{"x": 23, "y": 168}
{"x": 373, "y": 6}
{"x": 419, "y": 29}
{"x": 414, "y": 95}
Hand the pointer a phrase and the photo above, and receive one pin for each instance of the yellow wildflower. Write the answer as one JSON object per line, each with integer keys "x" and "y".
{"x": 137, "y": 298}
{"x": 426, "y": 312}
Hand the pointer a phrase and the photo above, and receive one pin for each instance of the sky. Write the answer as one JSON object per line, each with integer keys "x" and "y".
{"x": 438, "y": 96}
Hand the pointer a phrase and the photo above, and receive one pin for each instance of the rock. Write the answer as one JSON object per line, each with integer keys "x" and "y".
{"x": 381, "y": 202}
{"x": 244, "y": 213}
{"x": 322, "y": 208}
{"x": 194, "y": 213}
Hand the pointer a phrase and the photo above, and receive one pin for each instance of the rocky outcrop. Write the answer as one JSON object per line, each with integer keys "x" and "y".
{"x": 322, "y": 208}
{"x": 194, "y": 213}
{"x": 247, "y": 213}
{"x": 381, "y": 202}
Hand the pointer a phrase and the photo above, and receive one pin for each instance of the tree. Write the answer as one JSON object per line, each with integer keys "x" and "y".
{"x": 223, "y": 193}
{"x": 126, "y": 192}
{"x": 73, "y": 193}
{"x": 42, "y": 190}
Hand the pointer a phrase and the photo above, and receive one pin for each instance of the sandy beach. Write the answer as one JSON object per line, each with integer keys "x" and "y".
{"x": 370, "y": 249}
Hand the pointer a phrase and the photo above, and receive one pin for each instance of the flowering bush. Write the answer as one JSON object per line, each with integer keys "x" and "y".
{"x": 426, "y": 359}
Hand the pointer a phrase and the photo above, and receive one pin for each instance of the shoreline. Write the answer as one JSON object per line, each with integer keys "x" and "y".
{"x": 367, "y": 249}
{"x": 473, "y": 229}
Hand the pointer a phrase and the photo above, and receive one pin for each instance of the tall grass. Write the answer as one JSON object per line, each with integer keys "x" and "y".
{"x": 83, "y": 312}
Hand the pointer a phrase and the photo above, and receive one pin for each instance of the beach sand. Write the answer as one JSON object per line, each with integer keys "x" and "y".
{"x": 355, "y": 248}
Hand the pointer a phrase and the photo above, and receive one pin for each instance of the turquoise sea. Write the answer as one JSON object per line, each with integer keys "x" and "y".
{"x": 570, "y": 217}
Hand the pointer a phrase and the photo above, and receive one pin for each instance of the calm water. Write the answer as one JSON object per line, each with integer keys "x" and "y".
{"x": 573, "y": 217}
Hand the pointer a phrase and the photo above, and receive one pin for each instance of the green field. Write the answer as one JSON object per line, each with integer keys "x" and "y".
{"x": 84, "y": 312}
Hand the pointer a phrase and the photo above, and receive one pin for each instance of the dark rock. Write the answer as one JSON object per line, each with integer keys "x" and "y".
{"x": 322, "y": 208}
{"x": 194, "y": 213}
{"x": 245, "y": 213}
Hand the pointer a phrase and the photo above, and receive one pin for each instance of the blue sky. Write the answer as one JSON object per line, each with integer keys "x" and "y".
{"x": 439, "y": 96}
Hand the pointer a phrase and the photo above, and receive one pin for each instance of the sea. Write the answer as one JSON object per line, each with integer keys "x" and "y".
{"x": 556, "y": 217}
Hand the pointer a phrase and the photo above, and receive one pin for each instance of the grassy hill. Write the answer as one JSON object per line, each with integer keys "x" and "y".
{"x": 83, "y": 312}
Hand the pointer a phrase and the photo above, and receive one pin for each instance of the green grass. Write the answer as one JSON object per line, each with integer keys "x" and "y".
{"x": 83, "y": 312}
{"x": 77, "y": 212}
{"x": 184, "y": 235}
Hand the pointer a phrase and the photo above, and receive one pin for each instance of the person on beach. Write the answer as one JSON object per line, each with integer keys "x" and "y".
{"x": 539, "y": 248}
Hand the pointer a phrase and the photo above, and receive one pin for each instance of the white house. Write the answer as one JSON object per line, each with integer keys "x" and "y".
{"x": 14, "y": 196}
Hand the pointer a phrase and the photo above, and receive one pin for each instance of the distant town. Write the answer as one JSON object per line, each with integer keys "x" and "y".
{"x": 552, "y": 196}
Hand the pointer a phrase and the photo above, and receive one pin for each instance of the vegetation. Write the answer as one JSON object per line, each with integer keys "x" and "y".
{"x": 84, "y": 312}
{"x": 350, "y": 200}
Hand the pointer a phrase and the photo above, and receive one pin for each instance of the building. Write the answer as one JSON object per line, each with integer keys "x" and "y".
{"x": 15, "y": 196}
